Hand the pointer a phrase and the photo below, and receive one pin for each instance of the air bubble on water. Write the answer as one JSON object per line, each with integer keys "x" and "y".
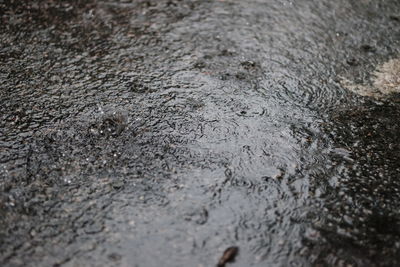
{"x": 101, "y": 111}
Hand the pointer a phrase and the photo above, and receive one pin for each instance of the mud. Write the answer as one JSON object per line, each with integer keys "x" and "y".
{"x": 162, "y": 132}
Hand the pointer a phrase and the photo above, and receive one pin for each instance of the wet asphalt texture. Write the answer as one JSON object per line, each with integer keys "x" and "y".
{"x": 162, "y": 132}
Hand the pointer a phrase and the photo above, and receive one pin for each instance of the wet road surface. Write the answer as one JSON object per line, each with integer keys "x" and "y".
{"x": 162, "y": 132}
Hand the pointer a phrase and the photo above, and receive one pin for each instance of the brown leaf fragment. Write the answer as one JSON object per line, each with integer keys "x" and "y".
{"x": 228, "y": 256}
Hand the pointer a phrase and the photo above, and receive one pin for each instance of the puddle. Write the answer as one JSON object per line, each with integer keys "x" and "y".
{"x": 162, "y": 132}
